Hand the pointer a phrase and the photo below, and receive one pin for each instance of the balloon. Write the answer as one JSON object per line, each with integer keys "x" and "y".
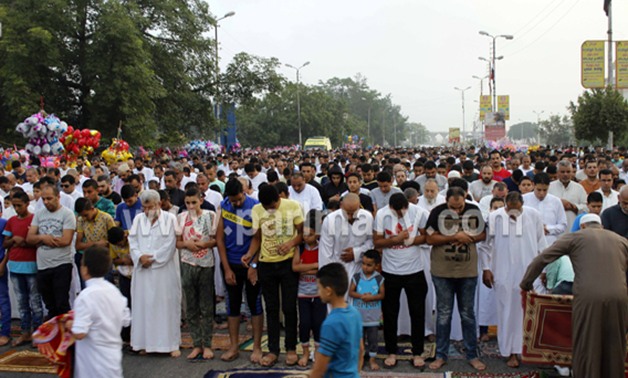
{"x": 36, "y": 150}
{"x": 45, "y": 149}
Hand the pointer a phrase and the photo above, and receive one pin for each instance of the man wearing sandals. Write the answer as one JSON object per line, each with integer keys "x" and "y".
{"x": 453, "y": 229}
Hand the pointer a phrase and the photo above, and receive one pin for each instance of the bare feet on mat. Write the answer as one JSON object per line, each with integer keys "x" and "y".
{"x": 269, "y": 360}
{"x": 175, "y": 353}
{"x": 208, "y": 354}
{"x": 305, "y": 358}
{"x": 477, "y": 364}
{"x": 418, "y": 362}
{"x": 513, "y": 362}
{"x": 390, "y": 361}
{"x": 256, "y": 356}
{"x": 438, "y": 363}
{"x": 230, "y": 355}
{"x": 292, "y": 358}
{"x": 373, "y": 364}
{"x": 4, "y": 340}
{"x": 194, "y": 353}
{"x": 23, "y": 339}
{"x": 485, "y": 337}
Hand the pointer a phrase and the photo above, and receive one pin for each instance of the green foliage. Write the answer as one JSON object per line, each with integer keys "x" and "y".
{"x": 524, "y": 131}
{"x": 599, "y": 111}
{"x": 557, "y": 130}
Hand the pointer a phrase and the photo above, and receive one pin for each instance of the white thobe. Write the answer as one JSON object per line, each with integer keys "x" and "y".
{"x": 100, "y": 311}
{"x": 156, "y": 290}
{"x": 514, "y": 245}
{"x": 552, "y": 212}
{"x": 573, "y": 193}
{"x": 426, "y": 250}
{"x": 309, "y": 198}
{"x": 609, "y": 201}
{"x": 337, "y": 234}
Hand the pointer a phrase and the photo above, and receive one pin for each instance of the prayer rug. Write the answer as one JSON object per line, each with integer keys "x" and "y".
{"x": 220, "y": 341}
{"x": 547, "y": 329}
{"x": 26, "y": 361}
{"x": 528, "y": 374}
{"x": 285, "y": 373}
{"x": 405, "y": 349}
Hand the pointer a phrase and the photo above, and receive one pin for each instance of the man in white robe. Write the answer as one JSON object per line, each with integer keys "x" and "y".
{"x": 345, "y": 235}
{"x": 517, "y": 236}
{"x": 156, "y": 284}
{"x": 549, "y": 206}
{"x": 572, "y": 194}
{"x": 429, "y": 200}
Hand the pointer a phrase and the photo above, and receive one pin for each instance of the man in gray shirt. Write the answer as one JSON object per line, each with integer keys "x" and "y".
{"x": 381, "y": 194}
{"x": 51, "y": 231}
{"x": 430, "y": 173}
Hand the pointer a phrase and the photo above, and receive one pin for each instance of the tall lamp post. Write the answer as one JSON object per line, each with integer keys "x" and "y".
{"x": 538, "y": 124}
{"x": 492, "y": 72}
{"x": 464, "y": 123}
{"x": 298, "y": 70}
{"x": 217, "y": 67}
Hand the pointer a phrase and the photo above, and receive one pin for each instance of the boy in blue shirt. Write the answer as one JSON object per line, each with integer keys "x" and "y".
{"x": 341, "y": 350}
{"x": 367, "y": 291}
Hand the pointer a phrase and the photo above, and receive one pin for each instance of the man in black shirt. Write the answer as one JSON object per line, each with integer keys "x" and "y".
{"x": 177, "y": 196}
{"x": 615, "y": 218}
{"x": 104, "y": 190}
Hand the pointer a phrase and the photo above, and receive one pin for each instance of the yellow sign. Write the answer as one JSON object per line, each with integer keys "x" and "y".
{"x": 503, "y": 106}
{"x": 592, "y": 64}
{"x": 485, "y": 106}
{"x": 621, "y": 64}
{"x": 454, "y": 135}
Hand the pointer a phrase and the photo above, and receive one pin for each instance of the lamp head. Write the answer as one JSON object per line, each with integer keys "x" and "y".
{"x": 229, "y": 14}
{"x": 484, "y": 33}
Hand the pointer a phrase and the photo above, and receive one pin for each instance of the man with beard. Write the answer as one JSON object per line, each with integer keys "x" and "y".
{"x": 484, "y": 186}
{"x": 572, "y": 194}
{"x": 104, "y": 189}
{"x": 431, "y": 173}
{"x": 156, "y": 284}
{"x": 52, "y": 231}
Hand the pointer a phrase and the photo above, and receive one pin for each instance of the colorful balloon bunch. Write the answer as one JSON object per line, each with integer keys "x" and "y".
{"x": 118, "y": 151}
{"x": 80, "y": 142}
{"x": 43, "y": 132}
{"x": 10, "y": 154}
{"x": 202, "y": 147}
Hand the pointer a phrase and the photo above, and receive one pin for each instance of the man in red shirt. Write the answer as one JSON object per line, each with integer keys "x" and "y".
{"x": 499, "y": 172}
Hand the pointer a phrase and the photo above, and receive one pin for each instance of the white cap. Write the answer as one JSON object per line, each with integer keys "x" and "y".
{"x": 590, "y": 218}
{"x": 453, "y": 174}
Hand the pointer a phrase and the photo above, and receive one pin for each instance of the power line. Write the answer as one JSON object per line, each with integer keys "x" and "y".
{"x": 519, "y": 36}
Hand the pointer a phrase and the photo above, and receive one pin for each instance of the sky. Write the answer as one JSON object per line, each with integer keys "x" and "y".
{"x": 418, "y": 51}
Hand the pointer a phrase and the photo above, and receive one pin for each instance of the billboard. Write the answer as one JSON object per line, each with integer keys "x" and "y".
{"x": 454, "y": 135}
{"x": 592, "y": 64}
{"x": 503, "y": 106}
{"x": 494, "y": 126}
{"x": 485, "y": 106}
{"x": 621, "y": 64}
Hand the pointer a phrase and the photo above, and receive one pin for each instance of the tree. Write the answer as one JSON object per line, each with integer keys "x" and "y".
{"x": 557, "y": 130}
{"x": 523, "y": 131}
{"x": 599, "y": 111}
{"x": 418, "y": 134}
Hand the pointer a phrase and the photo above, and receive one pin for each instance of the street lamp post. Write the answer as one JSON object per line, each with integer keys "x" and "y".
{"x": 464, "y": 123}
{"x": 481, "y": 83}
{"x": 508, "y": 37}
{"x": 538, "y": 124}
{"x": 298, "y": 70}
{"x": 217, "y": 67}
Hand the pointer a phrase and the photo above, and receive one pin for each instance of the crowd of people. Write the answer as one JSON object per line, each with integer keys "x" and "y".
{"x": 434, "y": 243}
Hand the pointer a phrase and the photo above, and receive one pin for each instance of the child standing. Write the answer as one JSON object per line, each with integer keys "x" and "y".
{"x": 22, "y": 265}
{"x": 100, "y": 312}
{"x": 341, "y": 350}
{"x": 121, "y": 258}
{"x": 367, "y": 292}
{"x": 312, "y": 311}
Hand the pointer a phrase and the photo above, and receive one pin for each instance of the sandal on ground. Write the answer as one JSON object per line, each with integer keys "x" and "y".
{"x": 420, "y": 365}
{"x": 23, "y": 339}
{"x": 389, "y": 365}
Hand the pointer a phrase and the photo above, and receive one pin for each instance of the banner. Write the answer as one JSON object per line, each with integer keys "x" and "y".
{"x": 485, "y": 106}
{"x": 592, "y": 64}
{"x": 494, "y": 126}
{"x": 503, "y": 106}
{"x": 454, "y": 135}
{"x": 621, "y": 64}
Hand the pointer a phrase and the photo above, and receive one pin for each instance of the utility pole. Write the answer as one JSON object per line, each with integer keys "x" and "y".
{"x": 298, "y": 69}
